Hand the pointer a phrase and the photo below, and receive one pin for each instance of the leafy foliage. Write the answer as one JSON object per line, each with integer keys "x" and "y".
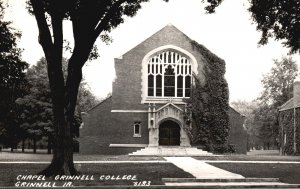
{"x": 287, "y": 126}
{"x": 278, "y": 19}
{"x": 278, "y": 88}
{"x": 278, "y": 83}
{"x": 212, "y": 5}
{"x": 209, "y": 103}
{"x": 267, "y": 127}
{"x": 12, "y": 77}
{"x": 35, "y": 108}
{"x": 286, "y": 120}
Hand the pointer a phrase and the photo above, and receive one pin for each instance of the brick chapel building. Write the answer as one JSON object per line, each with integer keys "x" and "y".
{"x": 146, "y": 107}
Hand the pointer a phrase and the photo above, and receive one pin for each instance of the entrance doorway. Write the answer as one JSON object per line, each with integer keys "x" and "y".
{"x": 169, "y": 133}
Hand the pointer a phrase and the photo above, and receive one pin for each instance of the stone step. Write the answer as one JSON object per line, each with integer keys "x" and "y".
{"x": 228, "y": 183}
{"x": 218, "y": 185}
{"x": 170, "y": 151}
{"x": 220, "y": 180}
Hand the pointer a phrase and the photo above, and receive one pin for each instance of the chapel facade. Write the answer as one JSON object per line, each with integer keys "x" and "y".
{"x": 146, "y": 108}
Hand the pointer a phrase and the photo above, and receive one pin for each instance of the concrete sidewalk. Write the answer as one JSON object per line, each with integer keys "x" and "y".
{"x": 200, "y": 169}
{"x": 208, "y": 176}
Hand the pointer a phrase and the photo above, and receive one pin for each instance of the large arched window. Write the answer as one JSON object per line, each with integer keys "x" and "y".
{"x": 169, "y": 75}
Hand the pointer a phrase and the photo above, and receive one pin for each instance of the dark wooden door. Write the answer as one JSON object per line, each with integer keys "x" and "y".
{"x": 169, "y": 134}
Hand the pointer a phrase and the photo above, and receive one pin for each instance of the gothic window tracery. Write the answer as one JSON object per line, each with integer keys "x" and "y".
{"x": 169, "y": 75}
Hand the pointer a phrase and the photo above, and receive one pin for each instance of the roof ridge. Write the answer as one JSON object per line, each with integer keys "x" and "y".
{"x": 105, "y": 99}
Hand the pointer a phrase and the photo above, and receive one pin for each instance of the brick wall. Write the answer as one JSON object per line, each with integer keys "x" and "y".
{"x": 237, "y": 134}
{"x": 102, "y": 128}
{"x": 127, "y": 86}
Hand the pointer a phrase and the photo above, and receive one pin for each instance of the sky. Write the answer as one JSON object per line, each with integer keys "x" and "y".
{"x": 229, "y": 33}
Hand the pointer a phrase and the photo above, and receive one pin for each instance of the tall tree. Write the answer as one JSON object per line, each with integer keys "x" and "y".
{"x": 277, "y": 89}
{"x": 278, "y": 83}
{"x": 35, "y": 108}
{"x": 11, "y": 78}
{"x": 275, "y": 19}
{"x": 266, "y": 125}
{"x": 279, "y": 20}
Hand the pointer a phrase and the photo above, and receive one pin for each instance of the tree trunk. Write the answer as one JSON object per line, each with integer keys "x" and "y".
{"x": 63, "y": 96}
{"x": 49, "y": 144}
{"x": 62, "y": 161}
{"x": 23, "y": 145}
{"x": 34, "y": 145}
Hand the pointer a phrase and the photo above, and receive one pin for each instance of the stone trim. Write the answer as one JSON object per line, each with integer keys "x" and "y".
{"x": 164, "y": 100}
{"x": 129, "y": 111}
{"x": 128, "y": 145}
{"x": 144, "y": 75}
{"x": 169, "y": 104}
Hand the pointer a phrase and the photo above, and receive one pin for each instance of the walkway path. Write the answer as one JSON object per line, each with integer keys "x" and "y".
{"x": 208, "y": 176}
{"x": 200, "y": 169}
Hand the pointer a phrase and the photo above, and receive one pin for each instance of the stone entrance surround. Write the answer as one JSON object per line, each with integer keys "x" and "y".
{"x": 166, "y": 112}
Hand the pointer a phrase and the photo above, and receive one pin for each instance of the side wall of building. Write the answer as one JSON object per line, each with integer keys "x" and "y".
{"x": 297, "y": 130}
{"x": 237, "y": 134}
{"x": 288, "y": 124}
{"x": 102, "y": 128}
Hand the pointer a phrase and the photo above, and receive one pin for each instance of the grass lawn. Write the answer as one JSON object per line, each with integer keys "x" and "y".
{"x": 288, "y": 173}
{"x": 264, "y": 152}
{"x": 240, "y": 157}
{"x": 144, "y": 172}
{"x": 18, "y": 156}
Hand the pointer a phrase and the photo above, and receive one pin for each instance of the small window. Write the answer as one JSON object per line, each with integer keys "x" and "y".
{"x": 137, "y": 129}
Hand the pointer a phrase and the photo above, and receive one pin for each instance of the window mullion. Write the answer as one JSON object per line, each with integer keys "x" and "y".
{"x": 154, "y": 73}
{"x": 158, "y": 65}
{"x": 183, "y": 80}
{"x": 175, "y": 70}
{"x": 163, "y": 81}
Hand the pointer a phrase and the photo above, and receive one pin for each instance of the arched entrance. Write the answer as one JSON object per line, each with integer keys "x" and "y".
{"x": 169, "y": 133}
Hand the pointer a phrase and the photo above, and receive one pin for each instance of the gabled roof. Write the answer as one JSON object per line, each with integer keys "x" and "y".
{"x": 234, "y": 110}
{"x": 171, "y": 28}
{"x": 289, "y": 105}
{"x": 98, "y": 104}
{"x": 166, "y": 30}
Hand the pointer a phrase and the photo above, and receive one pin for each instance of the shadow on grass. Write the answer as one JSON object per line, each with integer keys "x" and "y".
{"x": 287, "y": 173}
{"x": 144, "y": 172}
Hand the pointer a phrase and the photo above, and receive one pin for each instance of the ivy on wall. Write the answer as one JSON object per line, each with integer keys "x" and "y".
{"x": 208, "y": 104}
{"x": 297, "y": 131}
{"x": 286, "y": 120}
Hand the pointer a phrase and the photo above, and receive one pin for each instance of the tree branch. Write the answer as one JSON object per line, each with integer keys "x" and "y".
{"x": 44, "y": 32}
{"x": 104, "y": 21}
